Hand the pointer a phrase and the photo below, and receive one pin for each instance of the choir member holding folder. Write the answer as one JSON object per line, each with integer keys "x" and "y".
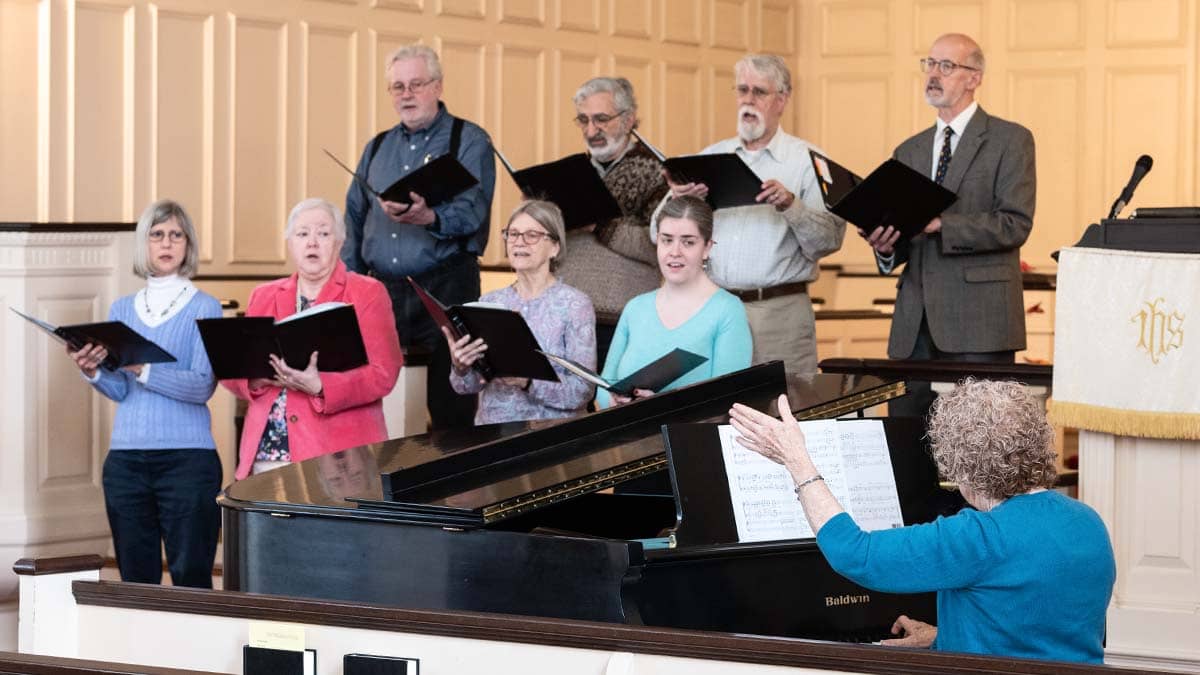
{"x": 162, "y": 474}
{"x": 303, "y": 413}
{"x": 689, "y": 311}
{"x": 561, "y": 318}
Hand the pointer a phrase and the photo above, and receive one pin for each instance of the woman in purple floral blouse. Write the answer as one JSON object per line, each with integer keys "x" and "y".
{"x": 560, "y": 317}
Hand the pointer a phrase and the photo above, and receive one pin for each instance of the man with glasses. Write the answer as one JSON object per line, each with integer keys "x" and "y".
{"x": 614, "y": 261}
{"x": 766, "y": 254}
{"x": 960, "y": 296}
{"x": 438, "y": 246}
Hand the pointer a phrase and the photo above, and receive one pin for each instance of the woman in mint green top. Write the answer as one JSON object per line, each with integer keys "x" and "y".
{"x": 687, "y": 312}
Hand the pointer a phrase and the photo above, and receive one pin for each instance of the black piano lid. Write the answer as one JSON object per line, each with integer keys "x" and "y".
{"x": 474, "y": 477}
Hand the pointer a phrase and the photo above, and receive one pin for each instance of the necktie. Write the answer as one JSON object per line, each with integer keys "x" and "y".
{"x": 944, "y": 157}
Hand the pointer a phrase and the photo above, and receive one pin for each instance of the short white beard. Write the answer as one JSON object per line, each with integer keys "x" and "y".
{"x": 750, "y": 131}
{"x": 609, "y": 151}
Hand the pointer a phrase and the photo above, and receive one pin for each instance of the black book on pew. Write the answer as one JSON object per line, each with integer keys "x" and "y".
{"x": 267, "y": 661}
{"x": 512, "y": 351}
{"x": 572, "y": 184}
{"x": 437, "y": 181}
{"x": 893, "y": 194}
{"x": 652, "y": 377}
{"x": 238, "y": 347}
{"x": 125, "y": 347}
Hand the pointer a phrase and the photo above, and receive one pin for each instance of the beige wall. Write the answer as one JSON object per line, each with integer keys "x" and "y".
{"x": 226, "y": 104}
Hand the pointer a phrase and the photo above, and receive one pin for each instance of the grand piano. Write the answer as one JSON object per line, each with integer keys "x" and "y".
{"x": 578, "y": 519}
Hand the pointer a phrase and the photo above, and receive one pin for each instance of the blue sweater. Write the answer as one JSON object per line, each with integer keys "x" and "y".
{"x": 1030, "y": 578}
{"x": 718, "y": 330}
{"x": 169, "y": 412}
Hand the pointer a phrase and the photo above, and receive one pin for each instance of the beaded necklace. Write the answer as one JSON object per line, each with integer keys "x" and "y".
{"x": 146, "y": 299}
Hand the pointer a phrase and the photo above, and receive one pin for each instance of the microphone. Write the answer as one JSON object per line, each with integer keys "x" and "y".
{"x": 1140, "y": 169}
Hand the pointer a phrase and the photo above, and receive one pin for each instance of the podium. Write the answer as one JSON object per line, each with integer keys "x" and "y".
{"x": 1125, "y": 374}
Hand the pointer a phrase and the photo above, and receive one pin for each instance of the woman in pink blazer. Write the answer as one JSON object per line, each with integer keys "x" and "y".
{"x": 299, "y": 414}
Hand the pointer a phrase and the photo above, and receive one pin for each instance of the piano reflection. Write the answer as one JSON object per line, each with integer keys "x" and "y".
{"x": 519, "y": 518}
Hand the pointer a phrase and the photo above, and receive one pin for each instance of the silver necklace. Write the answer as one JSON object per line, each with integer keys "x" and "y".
{"x": 146, "y": 299}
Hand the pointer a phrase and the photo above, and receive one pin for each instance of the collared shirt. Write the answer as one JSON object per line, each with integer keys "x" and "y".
{"x": 959, "y": 125}
{"x": 376, "y": 243}
{"x": 759, "y": 247}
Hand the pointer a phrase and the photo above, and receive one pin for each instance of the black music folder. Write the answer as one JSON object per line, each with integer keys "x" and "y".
{"x": 730, "y": 181}
{"x": 573, "y": 184}
{"x": 893, "y": 194}
{"x": 267, "y": 661}
{"x": 653, "y": 376}
{"x": 512, "y": 351}
{"x": 125, "y": 347}
{"x": 238, "y": 347}
{"x": 437, "y": 181}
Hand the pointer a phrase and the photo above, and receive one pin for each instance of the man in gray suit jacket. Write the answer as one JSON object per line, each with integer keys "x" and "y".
{"x": 959, "y": 297}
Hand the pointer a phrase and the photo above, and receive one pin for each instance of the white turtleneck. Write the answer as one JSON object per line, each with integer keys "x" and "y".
{"x": 162, "y": 298}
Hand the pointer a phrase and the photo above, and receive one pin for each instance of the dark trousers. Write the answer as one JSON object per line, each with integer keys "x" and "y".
{"x": 156, "y": 497}
{"x": 453, "y": 282}
{"x": 920, "y": 396}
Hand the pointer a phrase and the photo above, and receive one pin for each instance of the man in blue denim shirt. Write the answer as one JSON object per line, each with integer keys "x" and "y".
{"x": 438, "y": 246}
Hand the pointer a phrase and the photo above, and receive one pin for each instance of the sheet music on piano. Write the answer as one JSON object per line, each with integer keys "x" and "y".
{"x": 853, "y": 457}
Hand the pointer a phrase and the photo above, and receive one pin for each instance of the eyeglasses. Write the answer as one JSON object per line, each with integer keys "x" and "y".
{"x": 158, "y": 235}
{"x": 599, "y": 119}
{"x": 529, "y": 237}
{"x": 945, "y": 66}
{"x": 416, "y": 86}
{"x": 756, "y": 93}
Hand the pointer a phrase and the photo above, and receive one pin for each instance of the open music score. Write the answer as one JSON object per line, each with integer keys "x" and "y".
{"x": 853, "y": 457}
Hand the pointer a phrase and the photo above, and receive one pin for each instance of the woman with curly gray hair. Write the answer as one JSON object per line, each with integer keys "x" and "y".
{"x": 1027, "y": 572}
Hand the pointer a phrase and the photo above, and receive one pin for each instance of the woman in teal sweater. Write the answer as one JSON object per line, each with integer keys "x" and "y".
{"x": 688, "y": 311}
{"x": 1028, "y": 572}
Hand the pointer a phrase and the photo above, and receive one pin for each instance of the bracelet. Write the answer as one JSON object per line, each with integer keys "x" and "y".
{"x": 807, "y": 481}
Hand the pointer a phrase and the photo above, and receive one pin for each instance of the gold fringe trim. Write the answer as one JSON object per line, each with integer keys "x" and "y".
{"x": 1124, "y": 422}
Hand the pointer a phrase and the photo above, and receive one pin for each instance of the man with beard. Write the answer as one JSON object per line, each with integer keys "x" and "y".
{"x": 766, "y": 254}
{"x": 438, "y": 246}
{"x": 614, "y": 261}
{"x": 959, "y": 296}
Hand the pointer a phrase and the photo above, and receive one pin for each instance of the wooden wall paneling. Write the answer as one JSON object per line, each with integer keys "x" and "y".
{"x": 1160, "y": 533}
{"x": 260, "y": 130}
{"x": 681, "y": 99}
{"x": 1145, "y": 23}
{"x": 523, "y": 12}
{"x": 1135, "y": 126}
{"x": 859, "y": 28}
{"x": 56, "y": 112}
{"x": 520, "y": 105}
{"x": 777, "y": 27}
{"x": 578, "y": 15}
{"x": 183, "y": 112}
{"x": 932, "y": 18}
{"x": 467, "y": 9}
{"x": 721, "y": 121}
{"x": 102, "y": 156}
{"x": 571, "y": 69}
{"x": 1046, "y": 24}
{"x": 1050, "y": 103}
{"x": 630, "y": 18}
{"x": 404, "y": 5}
{"x": 464, "y": 76}
{"x": 66, "y": 451}
{"x": 19, "y": 142}
{"x": 681, "y": 21}
{"x": 330, "y": 93}
{"x": 729, "y": 24}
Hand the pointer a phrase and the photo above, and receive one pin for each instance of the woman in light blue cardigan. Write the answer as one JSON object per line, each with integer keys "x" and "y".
{"x": 162, "y": 473}
{"x": 688, "y": 311}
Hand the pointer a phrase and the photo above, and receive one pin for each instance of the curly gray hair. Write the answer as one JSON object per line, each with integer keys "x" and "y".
{"x": 993, "y": 438}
